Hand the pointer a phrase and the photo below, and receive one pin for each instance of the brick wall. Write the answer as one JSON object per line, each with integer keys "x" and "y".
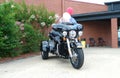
{"x": 59, "y": 6}
{"x": 84, "y": 7}
{"x": 97, "y": 29}
{"x": 52, "y": 5}
{"x": 1, "y": 1}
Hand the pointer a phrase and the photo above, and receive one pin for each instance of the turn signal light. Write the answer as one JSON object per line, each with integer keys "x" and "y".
{"x": 64, "y": 39}
{"x": 79, "y": 38}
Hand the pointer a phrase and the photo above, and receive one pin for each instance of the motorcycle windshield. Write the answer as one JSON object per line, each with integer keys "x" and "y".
{"x": 63, "y": 27}
{"x": 71, "y": 27}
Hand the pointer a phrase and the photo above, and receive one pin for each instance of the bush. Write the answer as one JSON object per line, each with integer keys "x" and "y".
{"x": 22, "y": 13}
{"x": 38, "y": 14}
{"x": 14, "y": 41}
{"x": 45, "y": 18}
{"x": 9, "y": 32}
{"x": 32, "y": 39}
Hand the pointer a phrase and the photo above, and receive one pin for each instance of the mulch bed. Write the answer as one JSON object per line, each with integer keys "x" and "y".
{"x": 3, "y": 60}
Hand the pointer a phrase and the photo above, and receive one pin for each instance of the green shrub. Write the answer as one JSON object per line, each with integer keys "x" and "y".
{"x": 38, "y": 14}
{"x": 45, "y": 18}
{"x": 22, "y": 13}
{"x": 32, "y": 39}
{"x": 14, "y": 41}
{"x": 9, "y": 32}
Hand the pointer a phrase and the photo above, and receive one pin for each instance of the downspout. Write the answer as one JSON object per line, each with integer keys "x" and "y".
{"x": 62, "y": 6}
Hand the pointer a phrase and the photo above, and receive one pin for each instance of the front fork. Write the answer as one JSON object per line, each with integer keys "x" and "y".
{"x": 69, "y": 49}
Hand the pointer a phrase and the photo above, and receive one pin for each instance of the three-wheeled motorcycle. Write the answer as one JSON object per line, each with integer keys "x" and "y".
{"x": 65, "y": 41}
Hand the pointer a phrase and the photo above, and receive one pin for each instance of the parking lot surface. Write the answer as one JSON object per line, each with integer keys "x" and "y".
{"x": 99, "y": 63}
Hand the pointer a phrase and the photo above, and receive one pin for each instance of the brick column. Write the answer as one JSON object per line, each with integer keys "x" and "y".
{"x": 114, "y": 33}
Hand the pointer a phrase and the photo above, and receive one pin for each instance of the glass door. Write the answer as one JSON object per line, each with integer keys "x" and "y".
{"x": 119, "y": 37}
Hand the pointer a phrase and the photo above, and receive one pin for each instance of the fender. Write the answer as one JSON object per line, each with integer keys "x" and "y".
{"x": 76, "y": 44}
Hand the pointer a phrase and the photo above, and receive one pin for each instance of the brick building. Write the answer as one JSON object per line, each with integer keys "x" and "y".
{"x": 98, "y": 20}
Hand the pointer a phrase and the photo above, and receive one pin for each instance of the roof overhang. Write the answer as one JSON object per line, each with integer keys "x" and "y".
{"x": 97, "y": 15}
{"x": 112, "y": 2}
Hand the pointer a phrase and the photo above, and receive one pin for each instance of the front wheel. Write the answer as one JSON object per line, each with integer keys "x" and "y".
{"x": 78, "y": 58}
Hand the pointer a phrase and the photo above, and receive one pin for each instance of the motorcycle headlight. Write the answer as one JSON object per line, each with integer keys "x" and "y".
{"x": 72, "y": 34}
{"x": 80, "y": 33}
{"x": 64, "y": 33}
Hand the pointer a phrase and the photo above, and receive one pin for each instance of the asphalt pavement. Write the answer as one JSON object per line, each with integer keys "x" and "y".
{"x": 99, "y": 63}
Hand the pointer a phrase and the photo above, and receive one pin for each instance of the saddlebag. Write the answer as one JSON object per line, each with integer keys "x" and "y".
{"x": 47, "y": 46}
{"x": 44, "y": 46}
{"x": 51, "y": 45}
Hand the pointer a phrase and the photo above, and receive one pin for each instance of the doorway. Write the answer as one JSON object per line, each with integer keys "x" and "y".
{"x": 119, "y": 37}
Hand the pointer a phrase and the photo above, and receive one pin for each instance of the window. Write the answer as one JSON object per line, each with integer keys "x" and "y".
{"x": 118, "y": 35}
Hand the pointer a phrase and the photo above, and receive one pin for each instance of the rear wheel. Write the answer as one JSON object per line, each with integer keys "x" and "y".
{"x": 44, "y": 55}
{"x": 78, "y": 58}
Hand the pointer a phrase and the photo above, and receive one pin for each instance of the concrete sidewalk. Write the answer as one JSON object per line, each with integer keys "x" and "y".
{"x": 99, "y": 63}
